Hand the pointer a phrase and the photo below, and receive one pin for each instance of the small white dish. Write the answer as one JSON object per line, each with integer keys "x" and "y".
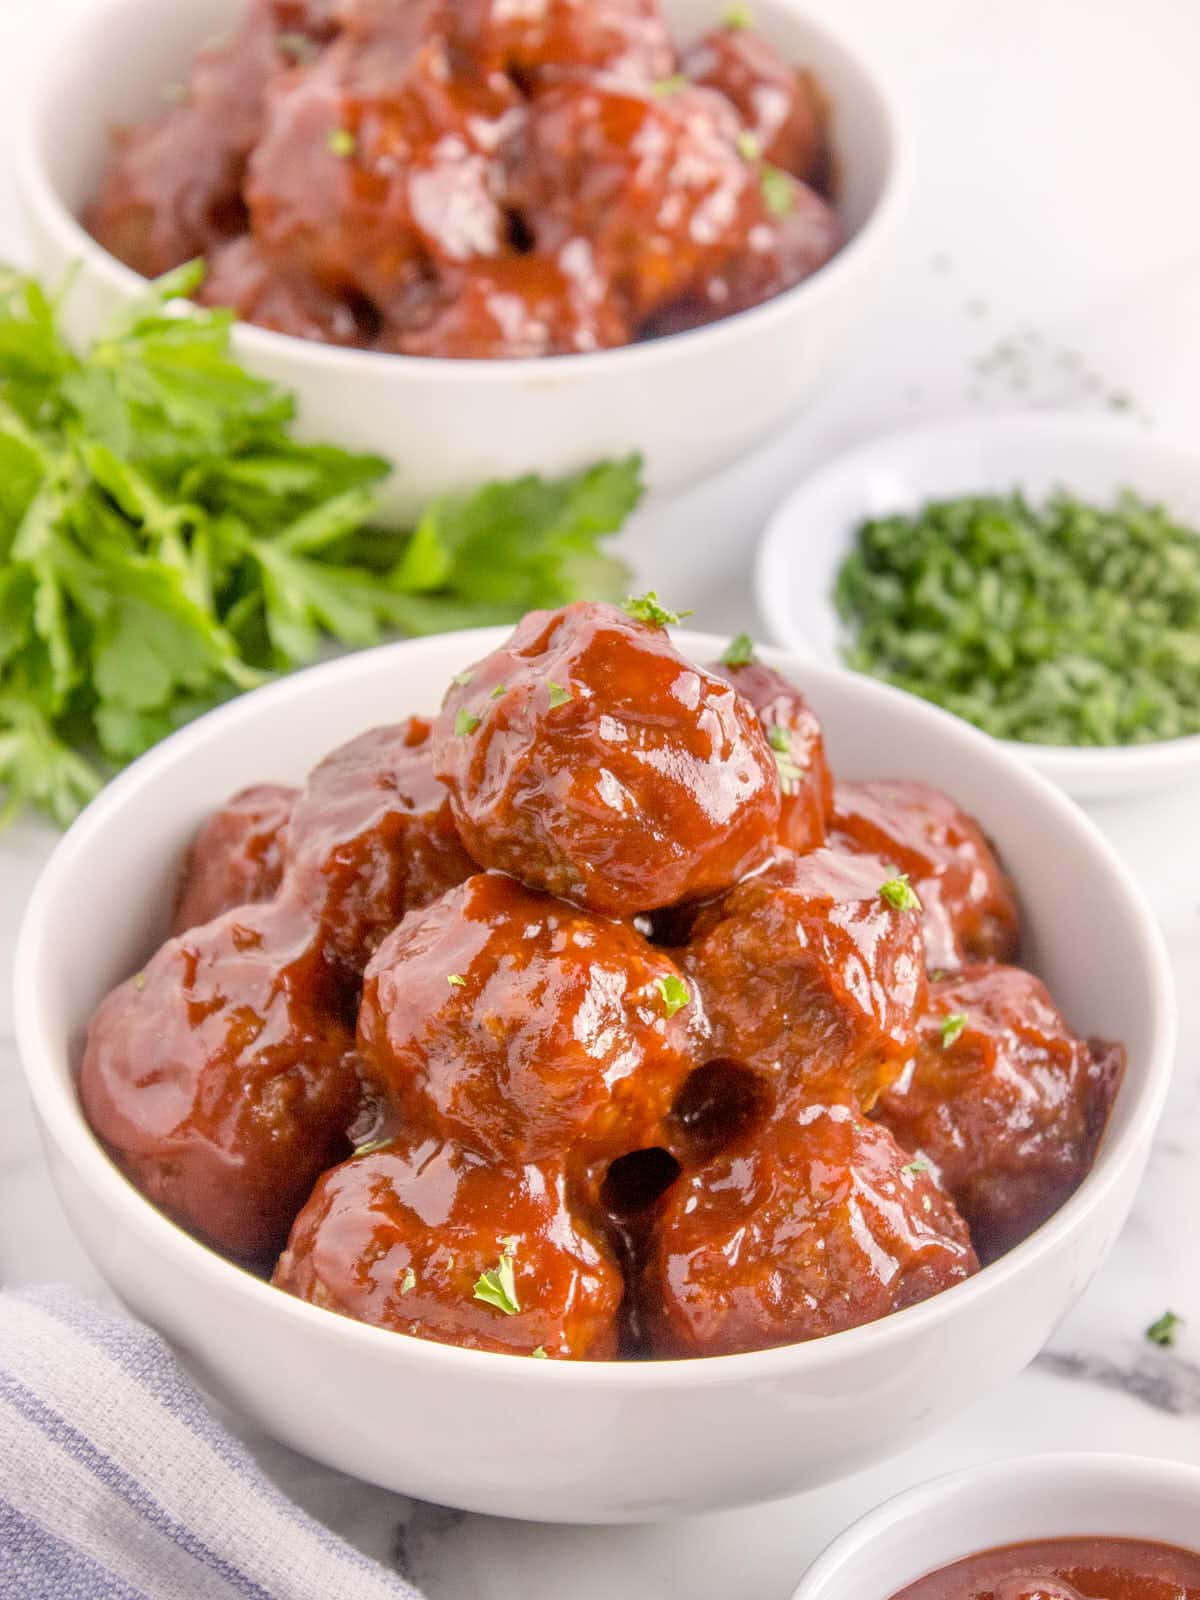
{"x": 1036, "y": 452}
{"x": 452, "y": 424}
{"x": 1007, "y": 1502}
{"x": 561, "y": 1441}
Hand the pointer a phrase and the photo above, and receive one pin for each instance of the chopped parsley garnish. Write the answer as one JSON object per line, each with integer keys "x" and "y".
{"x": 790, "y": 771}
{"x": 558, "y": 694}
{"x": 739, "y": 652}
{"x": 139, "y": 983}
{"x": 371, "y": 1146}
{"x": 540, "y": 1353}
{"x": 900, "y": 894}
{"x": 952, "y": 1025}
{"x": 498, "y": 1286}
{"x": 408, "y": 1282}
{"x": 1165, "y": 1331}
{"x": 342, "y": 143}
{"x": 297, "y": 45}
{"x": 463, "y": 680}
{"x": 778, "y": 190}
{"x": 669, "y": 86}
{"x": 916, "y": 1167}
{"x": 1060, "y": 622}
{"x": 465, "y": 721}
{"x": 675, "y": 993}
{"x": 456, "y": 980}
{"x": 737, "y": 16}
{"x": 748, "y": 146}
{"x": 499, "y": 691}
{"x": 645, "y": 608}
{"x": 165, "y": 542}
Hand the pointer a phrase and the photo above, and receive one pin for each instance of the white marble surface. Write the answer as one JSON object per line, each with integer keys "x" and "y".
{"x": 1052, "y": 257}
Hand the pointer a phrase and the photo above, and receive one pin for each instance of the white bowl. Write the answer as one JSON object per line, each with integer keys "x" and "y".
{"x": 690, "y": 403}
{"x": 564, "y": 1441}
{"x": 811, "y": 533}
{"x": 1007, "y": 1502}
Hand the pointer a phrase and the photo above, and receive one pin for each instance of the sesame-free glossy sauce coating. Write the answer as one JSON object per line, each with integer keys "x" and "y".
{"x": 1067, "y": 1569}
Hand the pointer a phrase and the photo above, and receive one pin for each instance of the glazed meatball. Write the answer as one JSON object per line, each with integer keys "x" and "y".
{"x": 588, "y": 757}
{"x": 427, "y": 1238}
{"x": 236, "y": 858}
{"x": 779, "y": 106}
{"x": 812, "y": 977}
{"x": 173, "y": 188}
{"x": 525, "y": 1027}
{"x": 1003, "y": 1100}
{"x": 519, "y": 307}
{"x": 538, "y": 42}
{"x": 820, "y": 1224}
{"x": 378, "y": 164}
{"x": 790, "y": 232}
{"x": 794, "y": 735}
{"x": 370, "y": 837}
{"x": 221, "y": 1082}
{"x": 654, "y": 180}
{"x": 241, "y": 279}
{"x": 970, "y": 913}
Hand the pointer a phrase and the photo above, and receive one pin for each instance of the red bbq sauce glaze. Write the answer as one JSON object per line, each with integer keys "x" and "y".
{"x": 1067, "y": 1569}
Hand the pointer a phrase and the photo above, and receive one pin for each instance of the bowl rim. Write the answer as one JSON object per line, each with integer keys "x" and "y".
{"x": 42, "y": 198}
{"x": 57, "y": 1102}
{"x": 1035, "y": 1473}
{"x": 1066, "y": 763}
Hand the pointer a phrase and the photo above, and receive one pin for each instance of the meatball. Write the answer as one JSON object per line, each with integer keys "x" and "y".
{"x": 173, "y": 188}
{"x": 970, "y": 912}
{"x": 221, "y": 1082}
{"x": 427, "y": 1238}
{"x": 654, "y": 180}
{"x": 790, "y": 232}
{"x": 812, "y": 977}
{"x": 794, "y": 734}
{"x": 236, "y": 858}
{"x": 519, "y": 306}
{"x": 370, "y": 837}
{"x": 524, "y": 1027}
{"x": 1003, "y": 1100}
{"x": 378, "y": 163}
{"x": 820, "y": 1224}
{"x": 538, "y": 42}
{"x": 240, "y": 278}
{"x": 589, "y": 758}
{"x": 780, "y": 107}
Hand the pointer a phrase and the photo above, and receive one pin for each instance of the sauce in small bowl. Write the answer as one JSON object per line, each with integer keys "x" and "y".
{"x": 1067, "y": 1569}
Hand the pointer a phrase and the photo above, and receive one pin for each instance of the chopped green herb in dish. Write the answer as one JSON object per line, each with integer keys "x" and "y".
{"x": 900, "y": 894}
{"x": 1165, "y": 1331}
{"x": 675, "y": 993}
{"x": 498, "y": 1286}
{"x": 165, "y": 543}
{"x": 646, "y": 608}
{"x": 1065, "y": 623}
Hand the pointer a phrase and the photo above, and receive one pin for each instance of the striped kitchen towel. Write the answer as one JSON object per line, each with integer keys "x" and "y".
{"x": 117, "y": 1483}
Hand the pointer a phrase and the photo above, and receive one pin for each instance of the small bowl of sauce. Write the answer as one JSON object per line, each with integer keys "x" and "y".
{"x": 1056, "y": 1527}
{"x": 1067, "y": 1569}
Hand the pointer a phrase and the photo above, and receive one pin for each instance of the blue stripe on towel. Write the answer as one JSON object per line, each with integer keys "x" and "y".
{"x": 82, "y": 1451}
{"x": 35, "y": 1565}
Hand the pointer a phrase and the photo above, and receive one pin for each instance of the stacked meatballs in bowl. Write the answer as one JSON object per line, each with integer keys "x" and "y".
{"x": 593, "y": 1020}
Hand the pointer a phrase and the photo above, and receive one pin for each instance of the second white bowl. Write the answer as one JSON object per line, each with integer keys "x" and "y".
{"x": 690, "y": 403}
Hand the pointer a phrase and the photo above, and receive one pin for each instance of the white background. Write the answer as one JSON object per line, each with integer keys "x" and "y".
{"x": 1056, "y": 218}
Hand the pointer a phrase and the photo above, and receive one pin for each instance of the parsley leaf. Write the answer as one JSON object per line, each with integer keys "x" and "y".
{"x": 408, "y": 1282}
{"x": 916, "y": 1167}
{"x": 1165, "y": 1331}
{"x": 674, "y": 991}
{"x": 778, "y": 190}
{"x": 558, "y": 694}
{"x": 900, "y": 894}
{"x": 465, "y": 721}
{"x": 456, "y": 980}
{"x": 952, "y": 1025}
{"x": 737, "y": 16}
{"x": 645, "y": 608}
{"x": 739, "y": 652}
{"x": 497, "y": 1286}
